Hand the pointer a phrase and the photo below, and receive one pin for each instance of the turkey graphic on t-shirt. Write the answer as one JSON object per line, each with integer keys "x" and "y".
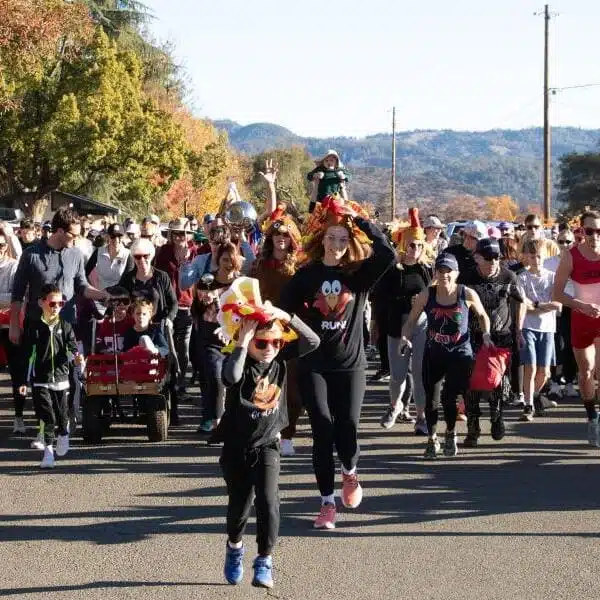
{"x": 332, "y": 299}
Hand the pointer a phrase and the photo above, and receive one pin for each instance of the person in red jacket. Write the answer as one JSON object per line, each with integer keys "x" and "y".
{"x": 169, "y": 258}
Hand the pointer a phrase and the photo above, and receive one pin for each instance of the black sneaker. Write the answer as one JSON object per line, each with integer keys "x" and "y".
{"x": 473, "y": 432}
{"x": 538, "y": 407}
{"x": 527, "y": 414}
{"x": 498, "y": 427}
{"x": 380, "y": 377}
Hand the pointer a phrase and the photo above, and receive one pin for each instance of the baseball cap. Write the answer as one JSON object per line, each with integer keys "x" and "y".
{"x": 446, "y": 260}
{"x": 133, "y": 228}
{"x": 476, "y": 229}
{"x": 433, "y": 222}
{"x": 47, "y": 225}
{"x": 115, "y": 230}
{"x": 209, "y": 218}
{"x": 505, "y": 226}
{"x": 488, "y": 248}
{"x": 180, "y": 225}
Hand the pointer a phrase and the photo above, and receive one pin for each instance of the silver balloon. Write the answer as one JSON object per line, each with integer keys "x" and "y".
{"x": 207, "y": 279}
{"x": 241, "y": 213}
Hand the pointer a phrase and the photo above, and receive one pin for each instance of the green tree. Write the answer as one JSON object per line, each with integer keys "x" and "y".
{"x": 579, "y": 184}
{"x": 91, "y": 127}
{"x": 292, "y": 185}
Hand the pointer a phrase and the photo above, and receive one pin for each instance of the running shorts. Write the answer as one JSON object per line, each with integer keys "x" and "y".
{"x": 584, "y": 330}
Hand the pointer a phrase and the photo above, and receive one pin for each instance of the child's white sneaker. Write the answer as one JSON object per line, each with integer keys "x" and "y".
{"x": 62, "y": 445}
{"x": 38, "y": 443}
{"x": 48, "y": 460}
{"x": 19, "y": 425}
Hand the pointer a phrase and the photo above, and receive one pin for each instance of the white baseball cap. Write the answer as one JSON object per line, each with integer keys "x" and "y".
{"x": 476, "y": 229}
{"x": 433, "y": 222}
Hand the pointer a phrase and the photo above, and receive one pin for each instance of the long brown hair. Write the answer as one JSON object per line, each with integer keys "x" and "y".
{"x": 232, "y": 250}
{"x": 354, "y": 256}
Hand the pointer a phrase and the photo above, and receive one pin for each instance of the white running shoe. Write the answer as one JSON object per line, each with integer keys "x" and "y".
{"x": 62, "y": 445}
{"x": 555, "y": 391}
{"x": 519, "y": 400}
{"x": 570, "y": 391}
{"x": 287, "y": 448}
{"x": 19, "y": 425}
{"x": 38, "y": 443}
{"x": 48, "y": 460}
{"x": 593, "y": 430}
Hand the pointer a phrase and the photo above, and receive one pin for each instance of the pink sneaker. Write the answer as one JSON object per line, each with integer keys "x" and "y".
{"x": 351, "y": 491}
{"x": 326, "y": 518}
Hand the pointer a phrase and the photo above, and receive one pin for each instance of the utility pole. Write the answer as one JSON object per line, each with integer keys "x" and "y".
{"x": 393, "y": 163}
{"x": 547, "y": 147}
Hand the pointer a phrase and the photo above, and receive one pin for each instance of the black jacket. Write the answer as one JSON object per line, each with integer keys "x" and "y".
{"x": 51, "y": 350}
{"x": 159, "y": 285}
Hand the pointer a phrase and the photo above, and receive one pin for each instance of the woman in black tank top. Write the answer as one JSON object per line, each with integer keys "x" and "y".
{"x": 448, "y": 355}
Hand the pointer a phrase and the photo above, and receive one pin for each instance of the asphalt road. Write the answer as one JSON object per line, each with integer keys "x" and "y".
{"x": 128, "y": 519}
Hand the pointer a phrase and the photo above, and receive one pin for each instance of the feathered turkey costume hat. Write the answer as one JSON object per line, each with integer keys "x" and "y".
{"x": 407, "y": 232}
{"x": 280, "y": 221}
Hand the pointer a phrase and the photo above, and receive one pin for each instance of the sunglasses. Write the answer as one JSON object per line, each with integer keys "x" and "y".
{"x": 56, "y": 303}
{"x": 140, "y": 256}
{"x": 121, "y": 301}
{"x": 565, "y": 242}
{"x": 262, "y": 344}
{"x": 415, "y": 246}
{"x": 591, "y": 231}
{"x": 530, "y": 227}
{"x": 491, "y": 258}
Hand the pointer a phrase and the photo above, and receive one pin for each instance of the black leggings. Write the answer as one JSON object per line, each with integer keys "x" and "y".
{"x": 333, "y": 401}
{"x": 249, "y": 472}
{"x": 453, "y": 369}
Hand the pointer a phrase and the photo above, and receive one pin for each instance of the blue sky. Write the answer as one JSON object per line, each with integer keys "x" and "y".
{"x": 324, "y": 69}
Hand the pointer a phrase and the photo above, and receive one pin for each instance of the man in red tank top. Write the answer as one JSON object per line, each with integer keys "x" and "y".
{"x": 582, "y": 265}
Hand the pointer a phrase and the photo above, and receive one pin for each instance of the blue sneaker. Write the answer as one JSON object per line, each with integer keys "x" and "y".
{"x": 263, "y": 572}
{"x": 234, "y": 569}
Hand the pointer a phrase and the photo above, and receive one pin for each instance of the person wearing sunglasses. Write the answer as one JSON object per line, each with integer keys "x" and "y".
{"x": 255, "y": 412}
{"x": 50, "y": 342}
{"x": 117, "y": 320}
{"x": 534, "y": 230}
{"x": 501, "y": 297}
{"x": 581, "y": 264}
{"x": 179, "y": 250}
{"x": 396, "y": 291}
{"x": 471, "y": 233}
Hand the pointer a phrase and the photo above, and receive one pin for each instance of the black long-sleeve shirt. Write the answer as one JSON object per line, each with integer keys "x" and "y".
{"x": 255, "y": 406}
{"x": 331, "y": 300}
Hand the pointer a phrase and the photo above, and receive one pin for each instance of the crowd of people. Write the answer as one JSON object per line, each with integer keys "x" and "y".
{"x": 281, "y": 323}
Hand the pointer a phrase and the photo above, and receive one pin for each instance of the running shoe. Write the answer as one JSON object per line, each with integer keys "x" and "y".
{"x": 547, "y": 402}
{"x": 498, "y": 427}
{"x": 38, "y": 443}
{"x": 263, "y": 572}
{"x": 388, "y": 419}
{"x": 19, "y": 425}
{"x": 433, "y": 448}
{"x": 519, "y": 400}
{"x": 450, "y": 445}
{"x": 473, "y": 432}
{"x": 62, "y": 445}
{"x": 326, "y": 518}
{"x": 527, "y": 414}
{"x": 380, "y": 377}
{"x": 593, "y": 430}
{"x": 569, "y": 391}
{"x": 421, "y": 427}
{"x": 538, "y": 406}
{"x": 48, "y": 460}
{"x": 206, "y": 426}
{"x": 554, "y": 392}
{"x": 351, "y": 490}
{"x": 405, "y": 417}
{"x": 286, "y": 448}
{"x": 234, "y": 567}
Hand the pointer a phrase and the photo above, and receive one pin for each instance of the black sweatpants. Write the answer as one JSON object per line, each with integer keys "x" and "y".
{"x": 52, "y": 408}
{"x": 16, "y": 369}
{"x": 250, "y": 473}
{"x": 381, "y": 320}
{"x": 333, "y": 401}
{"x": 453, "y": 369}
{"x": 564, "y": 347}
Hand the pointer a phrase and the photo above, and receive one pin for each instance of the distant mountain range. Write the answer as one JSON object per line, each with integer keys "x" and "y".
{"x": 431, "y": 164}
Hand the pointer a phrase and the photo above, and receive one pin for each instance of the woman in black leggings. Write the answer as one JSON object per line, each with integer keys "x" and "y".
{"x": 448, "y": 355}
{"x": 347, "y": 254}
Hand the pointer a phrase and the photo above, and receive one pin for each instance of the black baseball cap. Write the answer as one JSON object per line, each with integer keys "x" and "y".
{"x": 115, "y": 230}
{"x": 446, "y": 260}
{"x": 488, "y": 248}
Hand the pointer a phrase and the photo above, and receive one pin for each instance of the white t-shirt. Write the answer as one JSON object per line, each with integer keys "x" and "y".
{"x": 552, "y": 265}
{"x": 538, "y": 288}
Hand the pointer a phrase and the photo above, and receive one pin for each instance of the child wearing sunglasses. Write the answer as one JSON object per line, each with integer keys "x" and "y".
{"x": 255, "y": 412}
{"x": 49, "y": 346}
{"x": 110, "y": 331}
